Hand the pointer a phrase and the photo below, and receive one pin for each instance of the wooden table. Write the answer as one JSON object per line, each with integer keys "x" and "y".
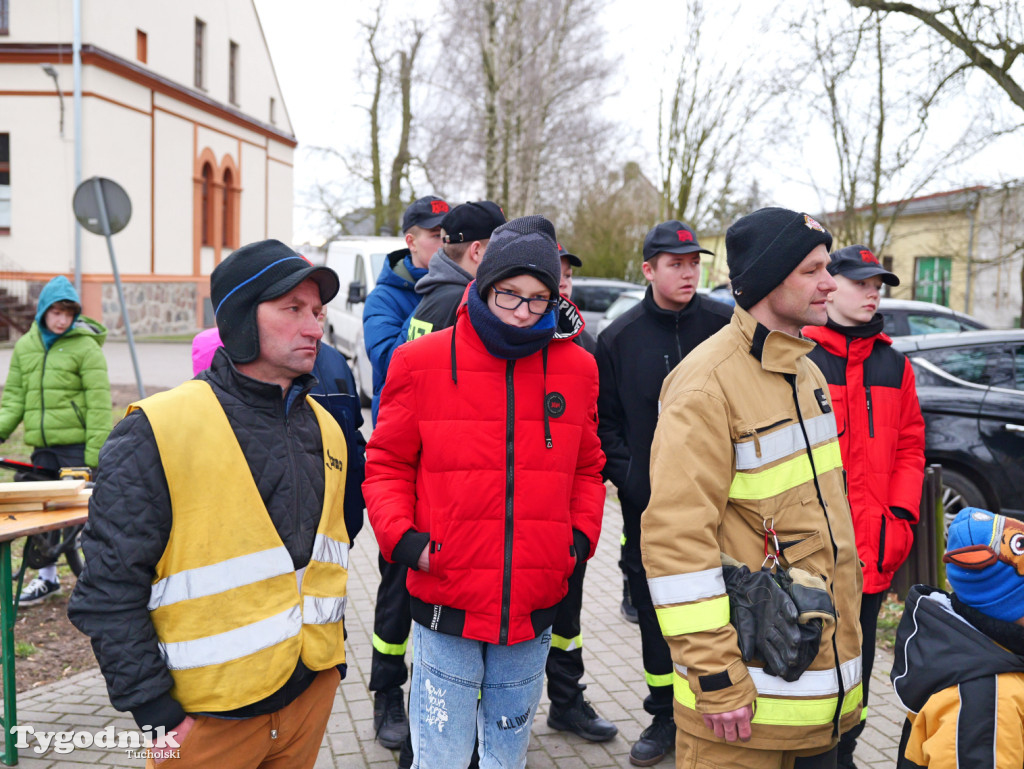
{"x": 14, "y": 526}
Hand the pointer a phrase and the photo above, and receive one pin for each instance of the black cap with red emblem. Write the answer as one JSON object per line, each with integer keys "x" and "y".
{"x": 857, "y": 263}
{"x": 427, "y": 212}
{"x": 672, "y": 237}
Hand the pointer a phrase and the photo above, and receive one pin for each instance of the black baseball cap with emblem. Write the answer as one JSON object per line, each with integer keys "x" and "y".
{"x": 857, "y": 263}
{"x": 672, "y": 237}
{"x": 574, "y": 260}
{"x": 472, "y": 221}
{"x": 427, "y": 212}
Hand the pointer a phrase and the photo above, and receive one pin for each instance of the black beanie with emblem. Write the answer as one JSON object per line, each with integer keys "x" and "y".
{"x": 522, "y": 246}
{"x": 255, "y": 273}
{"x": 764, "y": 247}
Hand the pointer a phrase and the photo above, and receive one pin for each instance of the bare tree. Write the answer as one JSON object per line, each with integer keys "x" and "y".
{"x": 704, "y": 128}
{"x": 610, "y": 221}
{"x": 390, "y": 73}
{"x": 981, "y": 31}
{"x": 876, "y": 104}
{"x": 523, "y": 109}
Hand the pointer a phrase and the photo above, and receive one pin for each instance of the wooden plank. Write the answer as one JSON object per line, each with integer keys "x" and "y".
{"x": 79, "y": 500}
{"x": 14, "y": 525}
{"x": 39, "y": 491}
{"x": 21, "y": 507}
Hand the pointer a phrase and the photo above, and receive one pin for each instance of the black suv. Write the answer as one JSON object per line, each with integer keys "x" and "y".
{"x": 971, "y": 389}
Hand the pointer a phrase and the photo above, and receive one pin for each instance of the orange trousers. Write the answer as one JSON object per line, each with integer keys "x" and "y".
{"x": 287, "y": 739}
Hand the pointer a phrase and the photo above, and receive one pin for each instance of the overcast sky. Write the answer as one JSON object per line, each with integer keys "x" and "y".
{"x": 316, "y": 45}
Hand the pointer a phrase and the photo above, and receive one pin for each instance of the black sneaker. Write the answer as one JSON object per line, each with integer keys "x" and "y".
{"x": 38, "y": 590}
{"x": 581, "y": 718}
{"x": 626, "y": 608}
{"x": 655, "y": 741}
{"x": 389, "y": 719}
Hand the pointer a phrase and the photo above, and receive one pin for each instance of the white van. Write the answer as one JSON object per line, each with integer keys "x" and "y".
{"x": 358, "y": 262}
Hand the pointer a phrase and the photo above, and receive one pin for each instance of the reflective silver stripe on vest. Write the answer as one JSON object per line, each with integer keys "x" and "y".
{"x": 813, "y": 683}
{"x": 317, "y": 610}
{"x": 679, "y": 588}
{"x": 327, "y": 550}
{"x": 220, "y": 577}
{"x": 784, "y": 443}
{"x": 233, "y": 644}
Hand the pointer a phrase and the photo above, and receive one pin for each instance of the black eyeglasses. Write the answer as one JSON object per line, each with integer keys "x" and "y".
{"x": 508, "y": 300}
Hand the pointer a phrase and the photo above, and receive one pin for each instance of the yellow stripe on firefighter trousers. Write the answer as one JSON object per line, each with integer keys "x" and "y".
{"x": 694, "y": 617}
{"x": 787, "y": 475}
{"x": 782, "y": 712}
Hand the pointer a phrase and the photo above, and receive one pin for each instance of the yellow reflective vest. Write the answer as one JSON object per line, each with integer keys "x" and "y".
{"x": 232, "y": 615}
{"x": 738, "y": 449}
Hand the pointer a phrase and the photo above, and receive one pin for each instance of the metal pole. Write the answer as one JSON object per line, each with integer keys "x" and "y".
{"x": 7, "y": 616}
{"x": 970, "y": 254}
{"x": 76, "y": 62}
{"x": 105, "y": 223}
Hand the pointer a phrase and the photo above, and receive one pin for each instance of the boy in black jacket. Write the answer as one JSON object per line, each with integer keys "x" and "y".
{"x": 634, "y": 354}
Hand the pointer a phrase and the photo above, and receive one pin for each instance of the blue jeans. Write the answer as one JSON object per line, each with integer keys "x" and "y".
{"x": 462, "y": 688}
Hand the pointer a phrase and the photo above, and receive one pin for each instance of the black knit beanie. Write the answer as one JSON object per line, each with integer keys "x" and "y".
{"x": 522, "y": 246}
{"x": 255, "y": 273}
{"x": 762, "y": 249}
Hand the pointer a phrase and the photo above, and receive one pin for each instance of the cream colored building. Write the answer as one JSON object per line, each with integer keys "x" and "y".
{"x": 181, "y": 107}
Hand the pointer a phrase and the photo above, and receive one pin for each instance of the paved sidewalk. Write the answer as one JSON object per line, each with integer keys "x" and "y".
{"x": 615, "y": 686}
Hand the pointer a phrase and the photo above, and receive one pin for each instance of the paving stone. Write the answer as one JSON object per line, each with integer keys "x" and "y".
{"x": 614, "y": 679}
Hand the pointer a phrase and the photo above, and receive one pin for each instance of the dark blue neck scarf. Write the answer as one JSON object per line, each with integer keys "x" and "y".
{"x": 505, "y": 341}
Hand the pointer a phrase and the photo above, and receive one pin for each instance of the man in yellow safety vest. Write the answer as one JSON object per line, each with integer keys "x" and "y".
{"x": 217, "y": 551}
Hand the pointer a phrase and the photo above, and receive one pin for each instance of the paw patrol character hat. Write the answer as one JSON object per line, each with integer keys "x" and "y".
{"x": 985, "y": 562}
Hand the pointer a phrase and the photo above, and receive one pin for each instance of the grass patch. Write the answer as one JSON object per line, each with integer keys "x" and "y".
{"x": 24, "y": 650}
{"x": 167, "y": 338}
{"x": 888, "y": 620}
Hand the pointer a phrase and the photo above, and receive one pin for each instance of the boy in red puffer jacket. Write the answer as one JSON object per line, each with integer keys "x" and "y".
{"x": 881, "y": 435}
{"x": 483, "y": 475}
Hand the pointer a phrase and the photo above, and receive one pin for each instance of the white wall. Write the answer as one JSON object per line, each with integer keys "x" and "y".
{"x": 119, "y": 128}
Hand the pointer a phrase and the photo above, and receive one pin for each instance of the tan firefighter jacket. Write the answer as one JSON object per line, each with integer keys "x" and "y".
{"x": 732, "y": 456}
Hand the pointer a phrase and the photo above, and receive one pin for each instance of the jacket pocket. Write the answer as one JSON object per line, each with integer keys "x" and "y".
{"x": 436, "y": 558}
{"x": 895, "y": 538}
{"x": 797, "y": 547}
{"x": 78, "y": 413}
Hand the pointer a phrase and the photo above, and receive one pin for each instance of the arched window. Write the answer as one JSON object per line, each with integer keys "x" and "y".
{"x": 207, "y": 205}
{"x": 228, "y": 221}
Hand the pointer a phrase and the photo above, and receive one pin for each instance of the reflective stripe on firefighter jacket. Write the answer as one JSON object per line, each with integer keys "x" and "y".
{"x": 231, "y": 613}
{"x": 746, "y": 440}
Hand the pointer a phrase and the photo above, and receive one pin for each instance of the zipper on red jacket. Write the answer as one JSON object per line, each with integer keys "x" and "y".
{"x": 871, "y": 416}
{"x": 506, "y": 577}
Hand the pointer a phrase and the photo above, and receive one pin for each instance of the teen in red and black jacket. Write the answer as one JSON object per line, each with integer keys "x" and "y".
{"x": 881, "y": 435}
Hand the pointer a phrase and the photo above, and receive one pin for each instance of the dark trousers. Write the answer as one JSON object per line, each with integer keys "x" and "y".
{"x": 655, "y": 653}
{"x": 564, "y": 667}
{"x": 53, "y": 458}
{"x": 392, "y": 621}
{"x": 870, "y": 606}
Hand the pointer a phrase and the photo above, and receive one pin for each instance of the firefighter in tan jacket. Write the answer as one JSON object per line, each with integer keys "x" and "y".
{"x": 746, "y": 462}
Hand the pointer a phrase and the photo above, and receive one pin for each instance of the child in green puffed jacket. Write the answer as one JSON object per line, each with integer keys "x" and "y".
{"x": 58, "y": 385}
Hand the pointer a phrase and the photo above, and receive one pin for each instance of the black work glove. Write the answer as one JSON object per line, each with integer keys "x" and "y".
{"x": 763, "y": 614}
{"x": 815, "y": 612}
